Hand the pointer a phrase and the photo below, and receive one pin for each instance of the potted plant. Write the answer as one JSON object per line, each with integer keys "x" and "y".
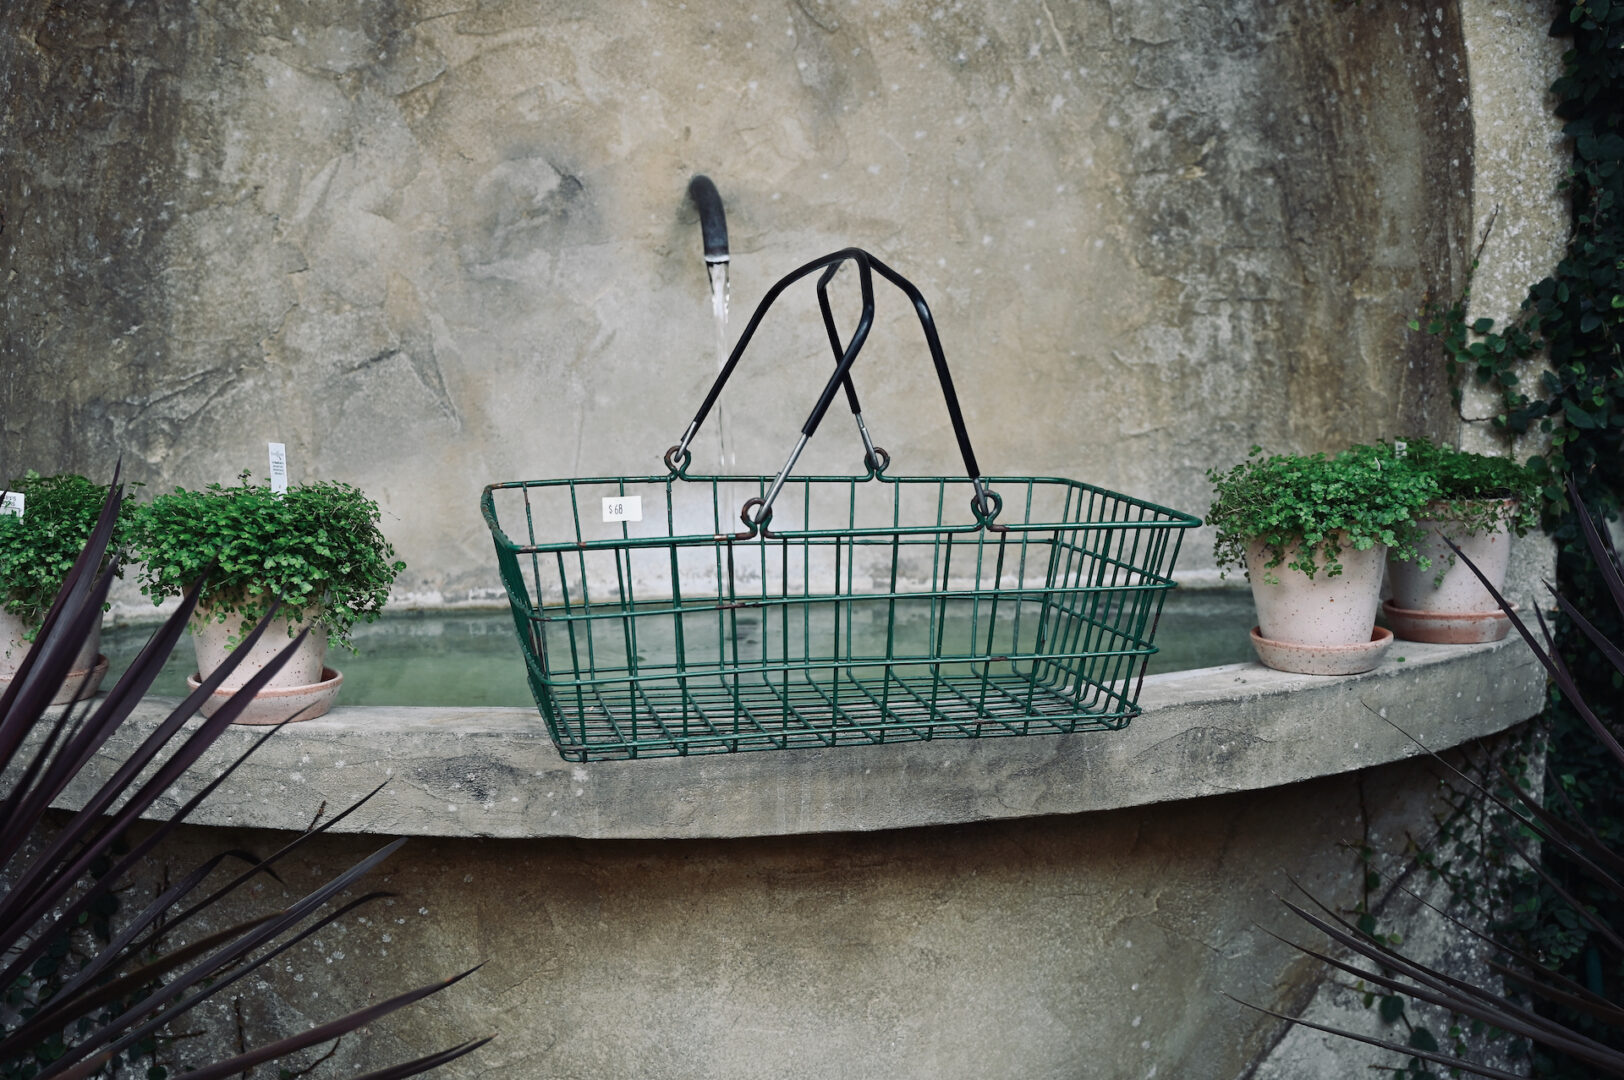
{"x": 37, "y": 548}
{"x": 1312, "y": 533}
{"x": 1483, "y": 500}
{"x": 315, "y": 549}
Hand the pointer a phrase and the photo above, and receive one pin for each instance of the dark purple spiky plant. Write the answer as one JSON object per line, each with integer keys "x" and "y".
{"x": 54, "y": 875}
{"x": 1601, "y": 863}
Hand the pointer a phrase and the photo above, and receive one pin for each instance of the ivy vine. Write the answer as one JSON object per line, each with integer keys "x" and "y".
{"x": 1574, "y": 316}
{"x": 1574, "y": 319}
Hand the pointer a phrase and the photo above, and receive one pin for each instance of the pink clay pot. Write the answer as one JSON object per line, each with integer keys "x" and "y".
{"x": 1295, "y": 609}
{"x": 1448, "y": 586}
{"x": 83, "y": 679}
{"x": 304, "y": 668}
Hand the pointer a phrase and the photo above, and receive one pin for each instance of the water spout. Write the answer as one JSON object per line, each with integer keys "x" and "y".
{"x": 713, "y": 231}
{"x": 712, "y": 219}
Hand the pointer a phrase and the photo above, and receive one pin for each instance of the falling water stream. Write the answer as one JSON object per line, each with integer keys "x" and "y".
{"x": 718, "y": 285}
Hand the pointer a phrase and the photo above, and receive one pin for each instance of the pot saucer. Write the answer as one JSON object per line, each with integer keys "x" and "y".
{"x": 1447, "y": 627}
{"x": 274, "y": 706}
{"x": 81, "y": 682}
{"x": 1323, "y": 659}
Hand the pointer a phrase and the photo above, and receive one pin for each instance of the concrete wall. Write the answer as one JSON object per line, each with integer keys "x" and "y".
{"x": 1092, "y": 945}
{"x": 429, "y": 245}
{"x": 792, "y": 914}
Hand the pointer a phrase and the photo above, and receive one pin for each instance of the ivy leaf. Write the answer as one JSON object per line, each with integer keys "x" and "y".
{"x": 1392, "y": 1007}
{"x": 1577, "y": 416}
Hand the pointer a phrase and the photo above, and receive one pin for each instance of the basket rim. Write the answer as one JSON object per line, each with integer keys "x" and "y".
{"x": 1173, "y": 519}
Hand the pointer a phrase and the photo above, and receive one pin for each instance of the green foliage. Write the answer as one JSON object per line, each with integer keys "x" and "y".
{"x": 1307, "y": 509}
{"x": 1477, "y": 487}
{"x": 37, "y": 549}
{"x": 317, "y": 549}
{"x": 1575, "y": 316}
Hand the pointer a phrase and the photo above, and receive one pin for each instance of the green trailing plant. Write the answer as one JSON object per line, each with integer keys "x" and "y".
{"x": 1483, "y": 492}
{"x": 83, "y": 993}
{"x": 1577, "y": 1022}
{"x": 39, "y": 546}
{"x": 1478, "y": 492}
{"x": 316, "y": 550}
{"x": 1306, "y": 510}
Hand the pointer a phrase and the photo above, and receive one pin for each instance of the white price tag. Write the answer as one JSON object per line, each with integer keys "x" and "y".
{"x": 12, "y": 503}
{"x": 279, "y": 467}
{"x": 623, "y": 508}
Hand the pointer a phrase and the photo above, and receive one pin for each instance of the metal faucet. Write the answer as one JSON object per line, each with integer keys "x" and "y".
{"x": 712, "y": 219}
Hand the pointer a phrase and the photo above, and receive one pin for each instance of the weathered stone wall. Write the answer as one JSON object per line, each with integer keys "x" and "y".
{"x": 432, "y": 245}
{"x": 1094, "y": 945}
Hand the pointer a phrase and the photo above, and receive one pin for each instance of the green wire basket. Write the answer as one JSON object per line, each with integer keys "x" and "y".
{"x": 848, "y": 610}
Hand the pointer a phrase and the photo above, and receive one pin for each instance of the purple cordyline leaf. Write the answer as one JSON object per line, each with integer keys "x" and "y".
{"x": 1454, "y": 994}
{"x": 1598, "y": 1006}
{"x": 206, "y": 969}
{"x": 322, "y": 1033}
{"x": 420, "y": 1065}
{"x": 1612, "y": 652}
{"x": 1556, "y": 834}
{"x": 98, "y": 727}
{"x": 55, "y": 661}
{"x": 114, "y": 712}
{"x": 20, "y": 702}
{"x": 1387, "y": 1044}
{"x": 117, "y": 949}
{"x": 1580, "y": 842}
{"x": 68, "y": 917}
{"x": 1553, "y": 663}
{"x": 1433, "y": 980}
{"x": 263, "y": 866}
{"x": 1572, "y": 996}
{"x": 72, "y": 740}
{"x": 36, "y": 902}
{"x": 1601, "y": 548}
{"x": 169, "y": 961}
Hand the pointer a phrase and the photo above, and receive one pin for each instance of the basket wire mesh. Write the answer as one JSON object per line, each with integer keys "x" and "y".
{"x": 849, "y": 610}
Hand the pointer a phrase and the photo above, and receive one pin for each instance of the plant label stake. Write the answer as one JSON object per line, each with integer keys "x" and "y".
{"x": 279, "y": 468}
{"x": 12, "y": 503}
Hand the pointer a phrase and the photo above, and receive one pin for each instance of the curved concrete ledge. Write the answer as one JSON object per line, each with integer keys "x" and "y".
{"x": 494, "y": 772}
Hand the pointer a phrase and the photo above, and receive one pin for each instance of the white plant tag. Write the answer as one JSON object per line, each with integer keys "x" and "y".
{"x": 279, "y": 467}
{"x": 623, "y": 508}
{"x": 1400, "y": 448}
{"x": 12, "y": 503}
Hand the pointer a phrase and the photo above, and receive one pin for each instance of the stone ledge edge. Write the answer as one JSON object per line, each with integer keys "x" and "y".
{"x": 494, "y": 772}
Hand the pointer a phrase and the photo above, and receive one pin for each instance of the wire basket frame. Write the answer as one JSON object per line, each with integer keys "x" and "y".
{"x": 850, "y": 610}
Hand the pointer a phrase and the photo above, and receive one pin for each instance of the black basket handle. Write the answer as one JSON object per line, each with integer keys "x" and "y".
{"x": 985, "y": 504}
{"x": 676, "y": 457}
{"x": 875, "y": 459}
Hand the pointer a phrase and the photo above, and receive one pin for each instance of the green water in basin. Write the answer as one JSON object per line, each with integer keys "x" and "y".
{"x": 473, "y": 659}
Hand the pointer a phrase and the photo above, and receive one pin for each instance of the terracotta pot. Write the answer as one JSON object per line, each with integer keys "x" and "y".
{"x": 303, "y": 679}
{"x": 1323, "y": 610}
{"x": 83, "y": 679}
{"x": 1446, "y": 603}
